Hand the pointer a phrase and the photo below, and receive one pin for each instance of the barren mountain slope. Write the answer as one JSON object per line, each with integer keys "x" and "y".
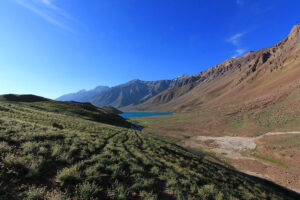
{"x": 250, "y": 95}
{"x": 270, "y": 74}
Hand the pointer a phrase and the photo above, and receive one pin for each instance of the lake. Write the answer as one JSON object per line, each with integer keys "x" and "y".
{"x": 127, "y": 115}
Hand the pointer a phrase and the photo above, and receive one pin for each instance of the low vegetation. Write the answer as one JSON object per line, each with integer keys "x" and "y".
{"x": 87, "y": 111}
{"x": 87, "y": 159}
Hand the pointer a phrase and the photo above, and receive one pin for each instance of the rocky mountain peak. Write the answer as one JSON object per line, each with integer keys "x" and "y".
{"x": 295, "y": 30}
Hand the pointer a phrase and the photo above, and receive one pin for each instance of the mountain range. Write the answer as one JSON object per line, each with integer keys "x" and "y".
{"x": 83, "y": 95}
{"x": 258, "y": 78}
{"x": 130, "y": 94}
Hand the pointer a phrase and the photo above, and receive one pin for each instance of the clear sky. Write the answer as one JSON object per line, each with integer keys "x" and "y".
{"x": 53, "y": 47}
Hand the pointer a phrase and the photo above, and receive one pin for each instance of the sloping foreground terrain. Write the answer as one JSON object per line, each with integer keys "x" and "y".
{"x": 79, "y": 158}
{"x": 87, "y": 111}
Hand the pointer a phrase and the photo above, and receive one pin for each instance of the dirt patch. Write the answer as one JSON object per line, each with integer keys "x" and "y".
{"x": 228, "y": 144}
{"x": 278, "y": 153}
{"x": 231, "y": 146}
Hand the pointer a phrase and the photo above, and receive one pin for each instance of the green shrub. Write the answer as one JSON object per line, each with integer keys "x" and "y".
{"x": 148, "y": 195}
{"x": 121, "y": 193}
{"x": 138, "y": 186}
{"x": 155, "y": 170}
{"x": 34, "y": 164}
{"x": 15, "y": 162}
{"x": 101, "y": 166}
{"x": 30, "y": 147}
{"x": 137, "y": 169}
{"x": 4, "y": 148}
{"x": 35, "y": 193}
{"x": 56, "y": 150}
{"x": 209, "y": 192}
{"x": 74, "y": 150}
{"x": 68, "y": 176}
{"x": 87, "y": 191}
{"x": 57, "y": 195}
{"x": 42, "y": 150}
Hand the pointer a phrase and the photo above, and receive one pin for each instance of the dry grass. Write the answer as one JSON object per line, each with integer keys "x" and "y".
{"x": 91, "y": 160}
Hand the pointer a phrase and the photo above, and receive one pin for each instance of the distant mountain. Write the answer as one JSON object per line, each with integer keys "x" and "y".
{"x": 83, "y": 95}
{"x": 131, "y": 93}
{"x": 178, "y": 87}
{"x": 128, "y": 95}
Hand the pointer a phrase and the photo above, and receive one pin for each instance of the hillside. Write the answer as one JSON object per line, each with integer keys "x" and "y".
{"x": 262, "y": 77}
{"x": 22, "y": 98}
{"x": 83, "y": 95}
{"x": 87, "y": 111}
{"x": 110, "y": 109}
{"x": 91, "y": 160}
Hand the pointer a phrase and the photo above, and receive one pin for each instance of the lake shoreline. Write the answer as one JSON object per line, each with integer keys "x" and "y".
{"x": 128, "y": 115}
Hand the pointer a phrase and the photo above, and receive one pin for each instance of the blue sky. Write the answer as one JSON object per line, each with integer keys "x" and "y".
{"x": 53, "y": 47}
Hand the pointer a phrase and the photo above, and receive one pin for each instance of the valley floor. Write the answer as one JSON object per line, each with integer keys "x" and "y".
{"x": 274, "y": 156}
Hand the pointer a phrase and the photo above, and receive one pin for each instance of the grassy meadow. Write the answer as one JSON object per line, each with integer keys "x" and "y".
{"x": 83, "y": 158}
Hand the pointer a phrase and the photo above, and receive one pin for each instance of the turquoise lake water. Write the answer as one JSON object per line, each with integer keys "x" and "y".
{"x": 127, "y": 115}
